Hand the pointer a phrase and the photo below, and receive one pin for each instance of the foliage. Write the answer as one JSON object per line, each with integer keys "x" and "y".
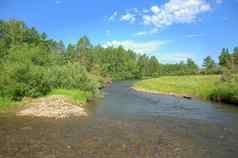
{"x": 226, "y": 90}
{"x": 188, "y": 68}
{"x": 209, "y": 65}
{"x": 71, "y": 76}
{"x": 225, "y": 58}
{"x": 235, "y": 55}
{"x": 32, "y": 65}
{"x": 148, "y": 66}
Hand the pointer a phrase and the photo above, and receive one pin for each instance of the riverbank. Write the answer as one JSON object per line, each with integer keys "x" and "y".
{"x": 58, "y": 104}
{"x": 186, "y": 96}
{"x": 205, "y": 87}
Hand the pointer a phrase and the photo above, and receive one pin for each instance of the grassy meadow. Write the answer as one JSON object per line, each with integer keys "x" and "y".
{"x": 203, "y": 86}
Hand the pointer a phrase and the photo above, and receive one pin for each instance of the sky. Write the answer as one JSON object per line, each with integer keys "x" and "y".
{"x": 172, "y": 30}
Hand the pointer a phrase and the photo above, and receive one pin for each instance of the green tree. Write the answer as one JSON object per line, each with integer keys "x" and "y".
{"x": 60, "y": 47}
{"x": 71, "y": 54}
{"x": 235, "y": 55}
{"x": 143, "y": 62}
{"x": 192, "y": 67}
{"x": 154, "y": 66}
{"x": 225, "y": 58}
{"x": 83, "y": 44}
{"x": 209, "y": 64}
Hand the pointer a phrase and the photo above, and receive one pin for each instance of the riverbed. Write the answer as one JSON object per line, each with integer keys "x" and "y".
{"x": 126, "y": 123}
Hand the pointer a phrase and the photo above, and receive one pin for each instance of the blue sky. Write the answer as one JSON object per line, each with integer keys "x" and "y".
{"x": 172, "y": 30}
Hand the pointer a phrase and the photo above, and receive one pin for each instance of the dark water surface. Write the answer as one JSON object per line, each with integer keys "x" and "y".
{"x": 126, "y": 124}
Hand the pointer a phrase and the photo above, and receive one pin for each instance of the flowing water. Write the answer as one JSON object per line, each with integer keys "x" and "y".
{"x": 126, "y": 124}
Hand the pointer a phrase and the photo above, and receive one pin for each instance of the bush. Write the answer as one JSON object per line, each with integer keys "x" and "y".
{"x": 21, "y": 80}
{"x": 71, "y": 76}
{"x": 227, "y": 93}
{"x": 226, "y": 90}
{"x": 29, "y": 71}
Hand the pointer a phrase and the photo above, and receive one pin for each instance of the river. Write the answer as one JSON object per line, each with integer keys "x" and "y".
{"x": 126, "y": 123}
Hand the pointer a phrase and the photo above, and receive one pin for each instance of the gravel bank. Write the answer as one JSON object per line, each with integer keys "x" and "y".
{"x": 56, "y": 106}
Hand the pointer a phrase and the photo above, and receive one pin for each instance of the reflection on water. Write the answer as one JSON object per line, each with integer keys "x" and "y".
{"x": 127, "y": 124}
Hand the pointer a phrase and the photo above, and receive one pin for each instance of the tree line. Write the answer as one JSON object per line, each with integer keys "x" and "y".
{"x": 31, "y": 64}
{"x": 227, "y": 61}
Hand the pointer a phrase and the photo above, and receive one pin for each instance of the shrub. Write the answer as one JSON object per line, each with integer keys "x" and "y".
{"x": 71, "y": 76}
{"x": 226, "y": 90}
{"x": 21, "y": 80}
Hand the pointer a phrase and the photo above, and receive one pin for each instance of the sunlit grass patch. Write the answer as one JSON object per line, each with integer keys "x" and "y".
{"x": 77, "y": 95}
{"x": 200, "y": 86}
{"x": 6, "y": 103}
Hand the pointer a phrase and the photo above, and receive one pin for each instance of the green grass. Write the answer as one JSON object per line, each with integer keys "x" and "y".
{"x": 6, "y": 103}
{"x": 199, "y": 86}
{"x": 203, "y": 86}
{"x": 76, "y": 95}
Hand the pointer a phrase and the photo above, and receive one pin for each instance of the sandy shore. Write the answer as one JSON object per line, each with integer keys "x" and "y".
{"x": 186, "y": 96}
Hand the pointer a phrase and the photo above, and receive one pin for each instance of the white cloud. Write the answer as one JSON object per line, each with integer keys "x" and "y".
{"x": 194, "y": 35}
{"x": 150, "y": 48}
{"x": 135, "y": 10}
{"x": 58, "y": 2}
{"x": 155, "y": 9}
{"x": 113, "y": 16}
{"x": 145, "y": 11}
{"x": 173, "y": 58}
{"x": 170, "y": 13}
{"x": 150, "y": 32}
{"x": 128, "y": 17}
{"x": 108, "y": 32}
{"x": 219, "y": 1}
{"x": 176, "y": 11}
{"x": 138, "y": 47}
{"x": 142, "y": 33}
